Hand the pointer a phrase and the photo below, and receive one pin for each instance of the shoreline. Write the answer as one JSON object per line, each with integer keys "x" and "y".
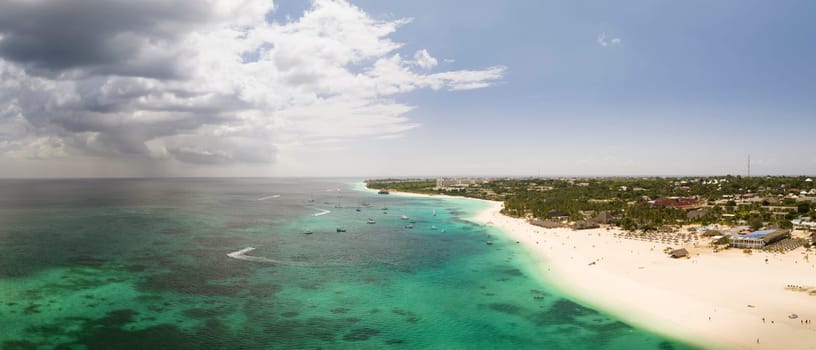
{"x": 726, "y": 300}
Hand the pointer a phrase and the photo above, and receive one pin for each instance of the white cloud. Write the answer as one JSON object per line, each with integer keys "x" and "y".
{"x": 332, "y": 74}
{"x": 423, "y": 59}
{"x": 605, "y": 41}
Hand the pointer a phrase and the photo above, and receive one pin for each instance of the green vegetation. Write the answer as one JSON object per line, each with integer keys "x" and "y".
{"x": 410, "y": 185}
{"x": 640, "y": 203}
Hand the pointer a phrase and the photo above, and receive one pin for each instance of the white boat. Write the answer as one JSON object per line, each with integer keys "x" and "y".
{"x": 433, "y": 227}
{"x": 404, "y": 217}
{"x": 409, "y": 226}
{"x": 434, "y": 212}
{"x": 371, "y": 221}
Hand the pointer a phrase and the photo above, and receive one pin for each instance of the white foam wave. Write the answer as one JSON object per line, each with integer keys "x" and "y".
{"x": 241, "y": 255}
{"x": 322, "y": 212}
{"x": 268, "y": 197}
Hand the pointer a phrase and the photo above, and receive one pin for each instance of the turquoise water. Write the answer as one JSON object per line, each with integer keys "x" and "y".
{"x": 142, "y": 264}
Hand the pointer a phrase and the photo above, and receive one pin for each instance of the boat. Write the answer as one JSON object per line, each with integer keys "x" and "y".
{"x": 340, "y": 229}
{"x": 308, "y": 232}
{"x": 384, "y": 208}
{"x": 434, "y": 212}
{"x": 433, "y": 227}
{"x": 409, "y": 226}
{"x": 403, "y": 217}
{"x": 371, "y": 221}
{"x": 383, "y": 191}
{"x": 358, "y": 209}
{"x": 489, "y": 242}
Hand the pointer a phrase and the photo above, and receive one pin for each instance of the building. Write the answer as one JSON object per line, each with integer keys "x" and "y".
{"x": 557, "y": 214}
{"x": 804, "y": 224}
{"x": 696, "y": 214}
{"x": 456, "y": 183}
{"x": 758, "y": 239}
{"x": 678, "y": 202}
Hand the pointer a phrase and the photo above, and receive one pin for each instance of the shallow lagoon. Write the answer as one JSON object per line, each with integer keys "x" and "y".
{"x": 141, "y": 263}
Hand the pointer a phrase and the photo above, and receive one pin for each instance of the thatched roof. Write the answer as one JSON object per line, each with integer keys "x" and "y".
{"x": 556, "y": 214}
{"x": 547, "y": 223}
{"x": 585, "y": 225}
{"x": 711, "y": 233}
{"x": 677, "y": 253}
{"x": 775, "y": 236}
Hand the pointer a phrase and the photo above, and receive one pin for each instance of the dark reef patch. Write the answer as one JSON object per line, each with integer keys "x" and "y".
{"x": 512, "y": 272}
{"x": 339, "y": 310}
{"x": 106, "y": 333}
{"x": 506, "y": 308}
{"x": 361, "y": 334}
{"x": 19, "y": 345}
{"x": 204, "y": 313}
{"x": 264, "y": 290}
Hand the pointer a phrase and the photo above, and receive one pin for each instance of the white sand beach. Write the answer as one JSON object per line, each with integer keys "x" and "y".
{"x": 713, "y": 300}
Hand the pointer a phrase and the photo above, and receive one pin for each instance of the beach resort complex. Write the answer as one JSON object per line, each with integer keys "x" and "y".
{"x": 717, "y": 262}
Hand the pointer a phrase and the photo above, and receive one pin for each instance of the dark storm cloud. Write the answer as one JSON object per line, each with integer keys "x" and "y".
{"x": 117, "y": 37}
{"x": 222, "y": 150}
{"x": 111, "y": 108}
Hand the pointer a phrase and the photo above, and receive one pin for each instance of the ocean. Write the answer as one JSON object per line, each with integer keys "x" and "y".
{"x": 143, "y": 264}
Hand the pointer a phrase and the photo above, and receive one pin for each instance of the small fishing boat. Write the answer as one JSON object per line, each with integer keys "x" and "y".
{"x": 403, "y": 217}
{"x": 489, "y": 242}
{"x": 308, "y": 232}
{"x": 433, "y": 227}
{"x": 409, "y": 226}
{"x": 340, "y": 229}
{"x": 371, "y": 221}
{"x": 434, "y": 212}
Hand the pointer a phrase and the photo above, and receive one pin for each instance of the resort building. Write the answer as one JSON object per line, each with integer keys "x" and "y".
{"x": 758, "y": 239}
{"x": 456, "y": 183}
{"x": 804, "y": 224}
{"x": 678, "y": 202}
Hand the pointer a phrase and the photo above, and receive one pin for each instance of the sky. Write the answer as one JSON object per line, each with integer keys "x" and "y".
{"x": 372, "y": 88}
